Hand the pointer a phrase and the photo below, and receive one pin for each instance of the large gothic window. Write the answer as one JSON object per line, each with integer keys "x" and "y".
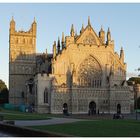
{"x": 90, "y": 73}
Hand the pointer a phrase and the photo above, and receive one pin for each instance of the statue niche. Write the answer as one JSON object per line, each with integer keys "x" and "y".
{"x": 90, "y": 73}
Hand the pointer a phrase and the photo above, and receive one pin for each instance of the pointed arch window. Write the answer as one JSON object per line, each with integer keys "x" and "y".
{"x": 46, "y": 95}
{"x": 90, "y": 73}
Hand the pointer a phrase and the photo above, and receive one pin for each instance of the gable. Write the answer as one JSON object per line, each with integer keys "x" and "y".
{"x": 88, "y": 37}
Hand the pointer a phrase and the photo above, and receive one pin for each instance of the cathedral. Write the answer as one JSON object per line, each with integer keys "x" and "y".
{"x": 82, "y": 75}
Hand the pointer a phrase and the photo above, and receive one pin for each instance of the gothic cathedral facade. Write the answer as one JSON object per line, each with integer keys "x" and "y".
{"x": 83, "y": 74}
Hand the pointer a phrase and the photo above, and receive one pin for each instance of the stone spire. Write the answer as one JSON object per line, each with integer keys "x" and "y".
{"x": 89, "y": 24}
{"x": 102, "y": 35}
{"x": 122, "y": 54}
{"x": 34, "y": 26}
{"x": 108, "y": 35}
{"x": 63, "y": 41}
{"x": 13, "y": 19}
{"x": 75, "y": 33}
{"x": 34, "y": 21}
{"x": 58, "y": 45}
{"x": 101, "y": 28}
{"x": 12, "y": 25}
{"x": 63, "y": 38}
{"x": 54, "y": 49}
{"x": 46, "y": 54}
{"x": 72, "y": 31}
{"x": 82, "y": 29}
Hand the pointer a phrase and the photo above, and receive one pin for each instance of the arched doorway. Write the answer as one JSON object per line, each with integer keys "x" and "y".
{"x": 118, "y": 108}
{"x": 92, "y": 108}
{"x": 65, "y": 108}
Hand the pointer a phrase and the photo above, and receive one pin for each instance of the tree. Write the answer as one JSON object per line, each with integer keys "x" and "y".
{"x": 136, "y": 80}
{"x": 4, "y": 93}
{"x": 133, "y": 79}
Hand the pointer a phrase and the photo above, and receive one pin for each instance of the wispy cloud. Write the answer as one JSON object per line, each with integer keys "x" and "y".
{"x": 131, "y": 74}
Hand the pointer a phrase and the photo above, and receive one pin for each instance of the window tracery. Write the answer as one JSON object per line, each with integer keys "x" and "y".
{"x": 90, "y": 73}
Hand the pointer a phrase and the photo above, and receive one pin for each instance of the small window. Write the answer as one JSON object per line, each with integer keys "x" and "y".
{"x": 17, "y": 40}
{"x": 22, "y": 94}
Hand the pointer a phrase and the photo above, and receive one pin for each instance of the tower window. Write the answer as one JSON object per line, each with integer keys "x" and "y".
{"x": 46, "y": 95}
{"x": 30, "y": 41}
{"x": 17, "y": 40}
{"x": 23, "y": 40}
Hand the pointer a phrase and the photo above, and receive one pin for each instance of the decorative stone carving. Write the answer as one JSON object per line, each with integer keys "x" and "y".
{"x": 89, "y": 40}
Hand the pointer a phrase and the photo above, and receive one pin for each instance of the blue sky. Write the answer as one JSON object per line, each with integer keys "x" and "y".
{"x": 53, "y": 19}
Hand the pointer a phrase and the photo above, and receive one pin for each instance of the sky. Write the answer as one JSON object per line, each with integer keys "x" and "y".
{"x": 54, "y": 18}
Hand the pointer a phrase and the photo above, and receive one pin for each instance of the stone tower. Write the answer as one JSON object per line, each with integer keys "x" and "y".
{"x": 22, "y": 51}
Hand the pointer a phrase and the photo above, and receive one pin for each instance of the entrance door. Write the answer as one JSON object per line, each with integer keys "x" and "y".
{"x": 118, "y": 108}
{"x": 65, "y": 108}
{"x": 92, "y": 108}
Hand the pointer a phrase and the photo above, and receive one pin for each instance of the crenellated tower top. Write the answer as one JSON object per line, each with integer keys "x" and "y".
{"x": 31, "y": 32}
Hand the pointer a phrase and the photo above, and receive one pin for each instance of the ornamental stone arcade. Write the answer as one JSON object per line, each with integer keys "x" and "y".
{"x": 83, "y": 74}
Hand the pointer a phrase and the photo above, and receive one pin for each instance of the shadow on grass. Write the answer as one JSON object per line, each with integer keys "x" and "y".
{"x": 102, "y": 128}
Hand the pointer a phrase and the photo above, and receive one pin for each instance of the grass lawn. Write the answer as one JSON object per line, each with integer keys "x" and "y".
{"x": 99, "y": 128}
{"x": 16, "y": 115}
{"x": 26, "y": 116}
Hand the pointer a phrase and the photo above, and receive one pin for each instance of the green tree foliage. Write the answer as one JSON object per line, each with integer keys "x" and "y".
{"x": 134, "y": 79}
{"x": 4, "y": 93}
{"x": 2, "y": 85}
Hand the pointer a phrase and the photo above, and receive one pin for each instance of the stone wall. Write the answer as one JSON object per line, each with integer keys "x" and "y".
{"x": 78, "y": 99}
{"x": 42, "y": 83}
{"x": 124, "y": 97}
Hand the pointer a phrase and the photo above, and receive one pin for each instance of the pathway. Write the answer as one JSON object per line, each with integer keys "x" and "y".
{"x": 51, "y": 121}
